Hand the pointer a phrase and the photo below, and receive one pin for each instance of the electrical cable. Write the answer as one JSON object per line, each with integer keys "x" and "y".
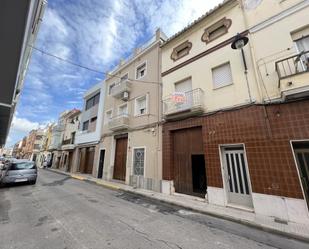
{"x": 91, "y": 69}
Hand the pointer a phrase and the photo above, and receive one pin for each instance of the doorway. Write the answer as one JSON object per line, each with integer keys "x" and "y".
{"x": 199, "y": 181}
{"x": 120, "y": 158}
{"x": 189, "y": 162}
{"x": 101, "y": 164}
{"x": 236, "y": 176}
{"x": 301, "y": 151}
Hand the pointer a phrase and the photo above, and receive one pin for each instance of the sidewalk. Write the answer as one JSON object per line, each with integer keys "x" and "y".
{"x": 292, "y": 230}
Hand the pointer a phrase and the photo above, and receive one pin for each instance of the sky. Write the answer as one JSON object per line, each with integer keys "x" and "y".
{"x": 96, "y": 34}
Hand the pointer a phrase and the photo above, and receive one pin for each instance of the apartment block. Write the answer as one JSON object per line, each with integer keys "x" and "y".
{"x": 88, "y": 134}
{"x": 235, "y": 108}
{"x": 130, "y": 146}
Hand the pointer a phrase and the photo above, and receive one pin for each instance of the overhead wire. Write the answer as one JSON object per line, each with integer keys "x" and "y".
{"x": 91, "y": 69}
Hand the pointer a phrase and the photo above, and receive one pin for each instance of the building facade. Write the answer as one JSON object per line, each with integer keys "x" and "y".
{"x": 130, "y": 145}
{"x": 235, "y": 108}
{"x": 71, "y": 126}
{"x": 33, "y": 144}
{"x": 88, "y": 135}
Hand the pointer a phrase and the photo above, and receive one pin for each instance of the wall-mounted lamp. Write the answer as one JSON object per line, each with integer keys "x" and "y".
{"x": 238, "y": 43}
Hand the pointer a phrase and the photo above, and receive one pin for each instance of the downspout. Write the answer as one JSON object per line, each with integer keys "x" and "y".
{"x": 252, "y": 53}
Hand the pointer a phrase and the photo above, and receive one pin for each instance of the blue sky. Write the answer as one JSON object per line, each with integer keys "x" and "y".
{"x": 94, "y": 33}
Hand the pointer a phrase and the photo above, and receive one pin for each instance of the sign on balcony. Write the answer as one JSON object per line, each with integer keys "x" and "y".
{"x": 178, "y": 97}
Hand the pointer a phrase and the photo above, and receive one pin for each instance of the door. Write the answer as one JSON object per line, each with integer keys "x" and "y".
{"x": 89, "y": 160}
{"x": 120, "y": 159}
{"x": 237, "y": 177}
{"x": 189, "y": 162}
{"x": 302, "y": 159}
{"x": 70, "y": 162}
{"x": 101, "y": 164}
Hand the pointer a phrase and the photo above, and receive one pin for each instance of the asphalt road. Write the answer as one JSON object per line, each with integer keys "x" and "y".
{"x": 61, "y": 213}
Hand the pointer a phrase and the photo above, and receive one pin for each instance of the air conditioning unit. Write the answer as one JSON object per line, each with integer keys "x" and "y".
{"x": 125, "y": 96}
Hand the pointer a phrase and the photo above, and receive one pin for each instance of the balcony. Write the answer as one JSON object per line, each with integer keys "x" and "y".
{"x": 181, "y": 105}
{"x": 293, "y": 74}
{"x": 118, "y": 90}
{"x": 120, "y": 122}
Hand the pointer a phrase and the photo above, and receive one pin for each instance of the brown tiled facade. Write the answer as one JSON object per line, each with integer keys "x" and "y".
{"x": 265, "y": 131}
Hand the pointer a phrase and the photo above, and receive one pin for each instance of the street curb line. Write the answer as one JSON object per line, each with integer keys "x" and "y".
{"x": 220, "y": 216}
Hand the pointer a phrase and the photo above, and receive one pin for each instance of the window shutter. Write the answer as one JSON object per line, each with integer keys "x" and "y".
{"x": 183, "y": 86}
{"x": 222, "y": 75}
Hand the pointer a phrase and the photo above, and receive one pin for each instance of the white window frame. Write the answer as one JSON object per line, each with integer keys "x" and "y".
{"x": 108, "y": 93}
{"x": 232, "y": 82}
{"x": 105, "y": 118}
{"x": 136, "y": 114}
{"x": 127, "y": 73}
{"x": 125, "y": 104}
{"x": 145, "y": 153}
{"x": 144, "y": 62}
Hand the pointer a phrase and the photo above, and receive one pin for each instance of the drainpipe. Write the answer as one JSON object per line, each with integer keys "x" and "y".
{"x": 252, "y": 52}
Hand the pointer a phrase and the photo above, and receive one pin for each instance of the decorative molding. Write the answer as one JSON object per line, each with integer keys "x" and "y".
{"x": 209, "y": 33}
{"x": 280, "y": 16}
{"x": 184, "y": 47}
{"x": 200, "y": 55}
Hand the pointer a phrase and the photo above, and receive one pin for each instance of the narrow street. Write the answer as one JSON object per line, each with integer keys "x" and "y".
{"x": 61, "y": 213}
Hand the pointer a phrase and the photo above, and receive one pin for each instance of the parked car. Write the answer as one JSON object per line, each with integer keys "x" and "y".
{"x": 19, "y": 171}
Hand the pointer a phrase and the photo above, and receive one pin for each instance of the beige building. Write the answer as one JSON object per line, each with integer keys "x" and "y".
{"x": 71, "y": 125}
{"x": 130, "y": 146}
{"x": 236, "y": 108}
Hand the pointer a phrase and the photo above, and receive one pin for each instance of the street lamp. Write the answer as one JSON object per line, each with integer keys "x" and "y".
{"x": 238, "y": 43}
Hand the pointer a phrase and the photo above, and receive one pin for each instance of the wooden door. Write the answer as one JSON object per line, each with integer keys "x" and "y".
{"x": 89, "y": 160}
{"x": 186, "y": 142}
{"x": 120, "y": 159}
{"x": 82, "y": 160}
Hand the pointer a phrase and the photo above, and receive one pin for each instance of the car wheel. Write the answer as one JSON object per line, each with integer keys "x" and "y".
{"x": 33, "y": 182}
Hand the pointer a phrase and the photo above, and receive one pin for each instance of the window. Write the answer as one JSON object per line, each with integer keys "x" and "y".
{"x": 85, "y": 125}
{"x": 216, "y": 30}
{"x": 182, "y": 50}
{"x": 22, "y": 165}
{"x": 110, "y": 87}
{"x": 222, "y": 76}
{"x": 141, "y": 105}
{"x": 93, "y": 101}
{"x": 303, "y": 44}
{"x": 183, "y": 86}
{"x": 124, "y": 77}
{"x": 141, "y": 71}
{"x": 138, "y": 161}
{"x": 108, "y": 116}
{"x": 123, "y": 109}
{"x": 36, "y": 147}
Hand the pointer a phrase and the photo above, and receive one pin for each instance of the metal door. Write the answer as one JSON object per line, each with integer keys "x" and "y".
{"x": 101, "y": 163}
{"x": 237, "y": 177}
{"x": 302, "y": 158}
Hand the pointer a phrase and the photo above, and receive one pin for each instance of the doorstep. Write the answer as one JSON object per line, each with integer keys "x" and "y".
{"x": 200, "y": 205}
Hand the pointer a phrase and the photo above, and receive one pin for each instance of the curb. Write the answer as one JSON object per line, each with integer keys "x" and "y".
{"x": 220, "y": 216}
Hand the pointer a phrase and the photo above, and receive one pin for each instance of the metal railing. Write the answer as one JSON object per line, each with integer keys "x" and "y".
{"x": 179, "y": 102}
{"x": 292, "y": 65}
{"x": 119, "y": 122}
{"x": 122, "y": 86}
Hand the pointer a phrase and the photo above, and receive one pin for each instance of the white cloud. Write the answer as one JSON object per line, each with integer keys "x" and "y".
{"x": 23, "y": 124}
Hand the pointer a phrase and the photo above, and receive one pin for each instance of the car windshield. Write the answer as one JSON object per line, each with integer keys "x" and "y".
{"x": 22, "y": 165}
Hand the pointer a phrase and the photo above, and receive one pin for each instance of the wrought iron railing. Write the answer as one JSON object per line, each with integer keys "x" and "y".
{"x": 179, "y": 102}
{"x": 292, "y": 65}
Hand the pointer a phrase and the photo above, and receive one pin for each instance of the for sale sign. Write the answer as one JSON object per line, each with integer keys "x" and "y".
{"x": 179, "y": 97}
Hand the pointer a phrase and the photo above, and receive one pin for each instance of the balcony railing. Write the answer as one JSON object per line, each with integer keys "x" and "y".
{"x": 293, "y": 65}
{"x": 67, "y": 141}
{"x": 120, "y": 122}
{"x": 118, "y": 90}
{"x": 188, "y": 103}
